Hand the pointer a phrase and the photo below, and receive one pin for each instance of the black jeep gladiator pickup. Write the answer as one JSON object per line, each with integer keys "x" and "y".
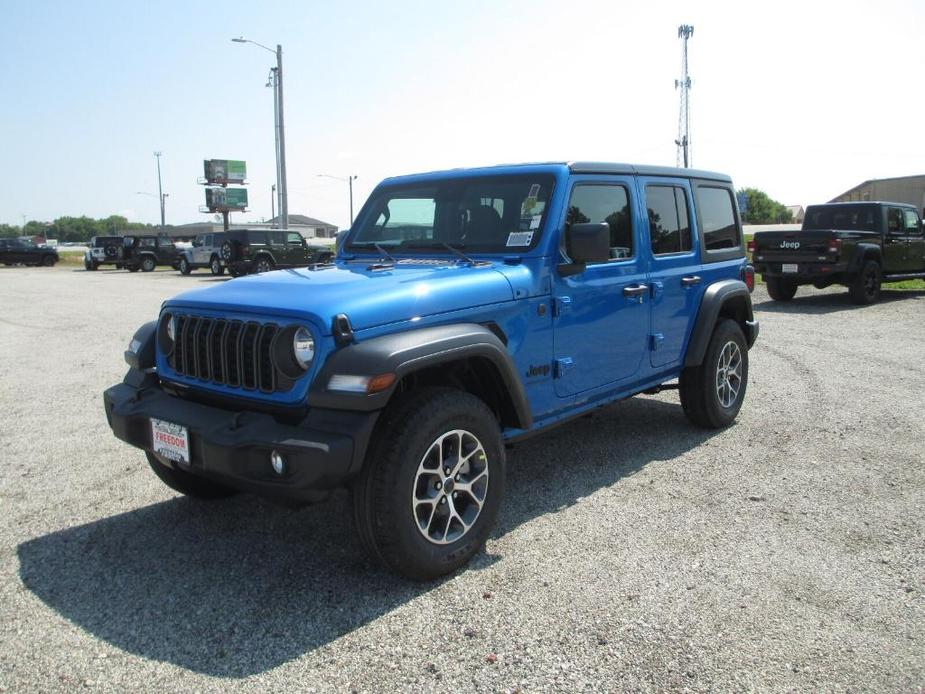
{"x": 856, "y": 244}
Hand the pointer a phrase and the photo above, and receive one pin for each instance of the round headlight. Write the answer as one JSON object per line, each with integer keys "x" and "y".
{"x": 303, "y": 347}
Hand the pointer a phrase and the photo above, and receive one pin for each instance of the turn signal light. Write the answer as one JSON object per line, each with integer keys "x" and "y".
{"x": 834, "y": 245}
{"x": 751, "y": 245}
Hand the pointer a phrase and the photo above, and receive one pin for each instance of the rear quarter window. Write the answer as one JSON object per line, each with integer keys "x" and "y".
{"x": 719, "y": 226}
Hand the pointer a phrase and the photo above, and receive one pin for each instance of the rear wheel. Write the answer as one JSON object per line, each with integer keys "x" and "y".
{"x": 48, "y": 260}
{"x": 712, "y": 393}
{"x": 132, "y": 268}
{"x": 865, "y": 288}
{"x": 432, "y": 484}
{"x": 90, "y": 264}
{"x": 148, "y": 264}
{"x": 263, "y": 264}
{"x": 216, "y": 266}
{"x": 188, "y": 483}
{"x": 185, "y": 268}
{"x": 780, "y": 289}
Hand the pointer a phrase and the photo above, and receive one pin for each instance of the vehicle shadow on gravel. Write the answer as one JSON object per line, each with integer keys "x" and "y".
{"x": 832, "y": 302}
{"x": 237, "y": 587}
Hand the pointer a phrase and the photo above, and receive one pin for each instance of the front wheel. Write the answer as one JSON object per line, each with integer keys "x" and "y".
{"x": 780, "y": 289}
{"x": 432, "y": 484}
{"x": 48, "y": 260}
{"x": 216, "y": 266}
{"x": 148, "y": 264}
{"x": 185, "y": 268}
{"x": 90, "y": 265}
{"x": 188, "y": 483}
{"x": 712, "y": 393}
{"x": 865, "y": 288}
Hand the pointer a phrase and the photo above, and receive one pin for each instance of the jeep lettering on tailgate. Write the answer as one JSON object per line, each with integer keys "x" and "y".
{"x": 465, "y": 310}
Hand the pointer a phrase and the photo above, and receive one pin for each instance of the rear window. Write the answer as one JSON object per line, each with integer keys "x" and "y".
{"x": 717, "y": 218}
{"x": 846, "y": 217}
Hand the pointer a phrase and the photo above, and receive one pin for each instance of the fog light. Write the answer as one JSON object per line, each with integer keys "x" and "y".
{"x": 278, "y": 463}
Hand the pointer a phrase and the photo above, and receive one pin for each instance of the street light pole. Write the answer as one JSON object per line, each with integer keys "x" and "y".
{"x": 272, "y": 207}
{"x": 281, "y": 155}
{"x": 160, "y": 191}
{"x": 350, "y": 179}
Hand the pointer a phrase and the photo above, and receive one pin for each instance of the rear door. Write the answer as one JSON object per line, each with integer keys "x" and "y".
{"x": 895, "y": 244}
{"x": 915, "y": 241}
{"x": 675, "y": 277}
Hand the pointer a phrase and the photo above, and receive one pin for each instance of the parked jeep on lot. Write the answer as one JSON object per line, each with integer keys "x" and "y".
{"x": 466, "y": 310}
{"x": 245, "y": 251}
{"x": 23, "y": 252}
{"x": 206, "y": 251}
{"x": 857, "y": 244}
{"x": 104, "y": 250}
{"x": 147, "y": 252}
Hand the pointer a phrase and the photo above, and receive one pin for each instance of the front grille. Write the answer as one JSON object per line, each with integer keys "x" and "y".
{"x": 233, "y": 353}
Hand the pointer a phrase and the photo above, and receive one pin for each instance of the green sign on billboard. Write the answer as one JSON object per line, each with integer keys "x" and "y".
{"x": 223, "y": 171}
{"x": 220, "y": 199}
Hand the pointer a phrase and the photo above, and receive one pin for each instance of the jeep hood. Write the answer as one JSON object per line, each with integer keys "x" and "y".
{"x": 369, "y": 297}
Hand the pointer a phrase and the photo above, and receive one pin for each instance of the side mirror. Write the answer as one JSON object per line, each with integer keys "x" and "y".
{"x": 585, "y": 243}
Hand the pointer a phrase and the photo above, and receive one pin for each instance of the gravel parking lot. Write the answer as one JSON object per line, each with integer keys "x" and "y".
{"x": 633, "y": 552}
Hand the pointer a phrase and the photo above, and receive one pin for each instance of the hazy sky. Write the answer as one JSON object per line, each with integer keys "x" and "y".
{"x": 803, "y": 100}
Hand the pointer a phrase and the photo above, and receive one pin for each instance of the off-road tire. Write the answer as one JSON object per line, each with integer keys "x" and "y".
{"x": 383, "y": 494}
{"x": 263, "y": 264}
{"x": 48, "y": 260}
{"x": 188, "y": 483}
{"x": 132, "y": 268}
{"x": 215, "y": 266}
{"x": 780, "y": 289}
{"x": 865, "y": 287}
{"x": 185, "y": 267}
{"x": 90, "y": 265}
{"x": 698, "y": 385}
{"x": 227, "y": 251}
{"x": 148, "y": 264}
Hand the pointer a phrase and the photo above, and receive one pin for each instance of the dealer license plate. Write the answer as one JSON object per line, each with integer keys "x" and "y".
{"x": 789, "y": 267}
{"x": 170, "y": 440}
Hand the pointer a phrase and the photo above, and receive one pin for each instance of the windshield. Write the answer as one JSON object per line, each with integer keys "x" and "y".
{"x": 846, "y": 217}
{"x": 484, "y": 214}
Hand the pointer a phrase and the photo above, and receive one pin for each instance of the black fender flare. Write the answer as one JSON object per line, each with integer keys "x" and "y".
{"x": 732, "y": 293}
{"x": 407, "y": 352}
{"x": 864, "y": 252}
{"x": 140, "y": 354}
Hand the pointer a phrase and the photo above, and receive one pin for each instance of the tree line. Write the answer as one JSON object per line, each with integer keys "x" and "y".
{"x": 76, "y": 229}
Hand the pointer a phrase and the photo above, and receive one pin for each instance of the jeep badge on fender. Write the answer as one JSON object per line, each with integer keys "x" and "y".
{"x": 404, "y": 369}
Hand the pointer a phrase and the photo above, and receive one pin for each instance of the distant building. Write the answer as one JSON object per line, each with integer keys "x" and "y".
{"x": 309, "y": 227}
{"x": 908, "y": 189}
{"x": 798, "y": 213}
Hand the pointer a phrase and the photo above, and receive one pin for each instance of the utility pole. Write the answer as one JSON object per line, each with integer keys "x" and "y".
{"x": 685, "y": 31}
{"x": 160, "y": 191}
{"x": 284, "y": 194}
{"x": 277, "y": 188}
{"x": 272, "y": 206}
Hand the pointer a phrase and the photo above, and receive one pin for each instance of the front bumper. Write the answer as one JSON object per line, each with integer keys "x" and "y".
{"x": 234, "y": 447}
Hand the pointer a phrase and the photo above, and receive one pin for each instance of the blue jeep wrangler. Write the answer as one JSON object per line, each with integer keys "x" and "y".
{"x": 465, "y": 310}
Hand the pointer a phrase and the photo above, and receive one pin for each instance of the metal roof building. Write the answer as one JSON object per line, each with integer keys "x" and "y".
{"x": 908, "y": 189}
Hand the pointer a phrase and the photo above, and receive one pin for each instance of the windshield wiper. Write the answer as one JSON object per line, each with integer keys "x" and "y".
{"x": 385, "y": 254}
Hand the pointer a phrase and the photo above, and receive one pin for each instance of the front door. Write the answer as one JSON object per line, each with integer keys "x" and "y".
{"x": 675, "y": 270}
{"x": 601, "y": 315}
{"x": 915, "y": 242}
{"x": 296, "y": 252}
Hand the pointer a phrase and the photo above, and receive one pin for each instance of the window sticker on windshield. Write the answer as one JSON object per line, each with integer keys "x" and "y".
{"x": 527, "y": 208}
{"x": 519, "y": 238}
{"x": 535, "y": 221}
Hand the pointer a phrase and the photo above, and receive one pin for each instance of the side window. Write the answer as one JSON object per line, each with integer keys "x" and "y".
{"x": 595, "y": 203}
{"x": 257, "y": 237}
{"x": 717, "y": 218}
{"x": 149, "y": 243}
{"x": 669, "y": 225}
{"x": 894, "y": 220}
{"x": 294, "y": 238}
{"x": 911, "y": 219}
{"x": 208, "y": 241}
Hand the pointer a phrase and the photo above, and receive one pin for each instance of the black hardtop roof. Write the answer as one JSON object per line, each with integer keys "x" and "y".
{"x": 879, "y": 203}
{"x": 601, "y": 167}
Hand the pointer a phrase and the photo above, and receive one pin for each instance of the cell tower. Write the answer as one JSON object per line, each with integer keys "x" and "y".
{"x": 685, "y": 31}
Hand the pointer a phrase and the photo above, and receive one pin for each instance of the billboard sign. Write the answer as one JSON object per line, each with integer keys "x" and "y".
{"x": 224, "y": 171}
{"x": 222, "y": 199}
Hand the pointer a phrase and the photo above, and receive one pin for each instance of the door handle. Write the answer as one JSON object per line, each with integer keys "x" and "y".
{"x": 690, "y": 281}
{"x": 636, "y": 291}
